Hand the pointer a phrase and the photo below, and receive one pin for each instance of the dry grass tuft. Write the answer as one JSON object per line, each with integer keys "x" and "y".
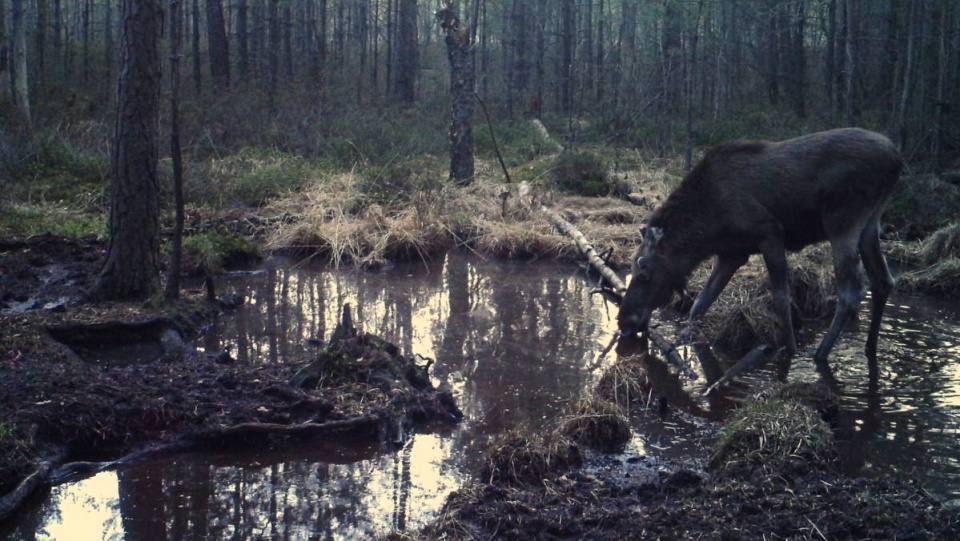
{"x": 625, "y": 383}
{"x": 774, "y": 436}
{"x": 942, "y": 277}
{"x": 523, "y": 457}
{"x": 518, "y": 240}
{"x": 938, "y": 258}
{"x": 597, "y": 423}
{"x": 744, "y": 315}
{"x": 336, "y": 222}
{"x": 941, "y": 244}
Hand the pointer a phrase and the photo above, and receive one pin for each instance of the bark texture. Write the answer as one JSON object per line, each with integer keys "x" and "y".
{"x": 132, "y": 268}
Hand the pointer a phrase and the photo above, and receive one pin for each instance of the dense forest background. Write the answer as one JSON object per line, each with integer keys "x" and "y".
{"x": 367, "y": 81}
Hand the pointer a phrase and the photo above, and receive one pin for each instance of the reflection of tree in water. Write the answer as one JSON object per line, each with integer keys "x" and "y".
{"x": 531, "y": 360}
{"x": 141, "y": 503}
{"x": 518, "y": 334}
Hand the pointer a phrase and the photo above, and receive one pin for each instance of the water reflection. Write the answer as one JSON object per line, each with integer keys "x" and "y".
{"x": 906, "y": 420}
{"x": 516, "y": 342}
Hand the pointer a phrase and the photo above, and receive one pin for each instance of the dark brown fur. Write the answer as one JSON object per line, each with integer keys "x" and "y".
{"x": 755, "y": 197}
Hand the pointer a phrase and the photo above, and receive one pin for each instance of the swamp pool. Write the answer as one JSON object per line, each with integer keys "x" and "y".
{"x": 517, "y": 342}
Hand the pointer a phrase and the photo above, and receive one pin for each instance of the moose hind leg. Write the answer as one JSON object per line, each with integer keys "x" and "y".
{"x": 881, "y": 282}
{"x": 846, "y": 266}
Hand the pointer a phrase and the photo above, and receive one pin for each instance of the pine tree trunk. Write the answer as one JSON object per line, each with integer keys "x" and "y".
{"x": 405, "y": 79}
{"x": 18, "y": 64}
{"x": 172, "y": 290}
{"x": 243, "y": 50}
{"x": 218, "y": 45}
{"x": 132, "y": 268}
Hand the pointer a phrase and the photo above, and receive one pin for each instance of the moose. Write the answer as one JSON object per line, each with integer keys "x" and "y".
{"x": 768, "y": 198}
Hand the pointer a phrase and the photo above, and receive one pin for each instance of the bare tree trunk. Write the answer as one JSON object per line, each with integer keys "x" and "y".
{"x": 197, "y": 60}
{"x": 56, "y": 27}
{"x": 830, "y": 68}
{"x": 900, "y": 129}
{"x": 218, "y": 45}
{"x": 463, "y": 89}
{"x": 941, "y": 101}
{"x": 288, "y": 43}
{"x": 320, "y": 65}
{"x": 6, "y": 86}
{"x": 132, "y": 267}
{"x": 405, "y": 79}
{"x": 690, "y": 84}
{"x": 568, "y": 29}
{"x": 108, "y": 46}
{"x": 273, "y": 52}
{"x": 600, "y": 52}
{"x": 243, "y": 48}
{"x": 176, "y": 257}
{"x": 86, "y": 41}
{"x": 18, "y": 65}
{"x": 798, "y": 77}
{"x": 40, "y": 43}
{"x": 853, "y": 61}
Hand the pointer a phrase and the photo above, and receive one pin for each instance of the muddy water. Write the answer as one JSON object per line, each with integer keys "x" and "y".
{"x": 904, "y": 416}
{"x": 516, "y": 342}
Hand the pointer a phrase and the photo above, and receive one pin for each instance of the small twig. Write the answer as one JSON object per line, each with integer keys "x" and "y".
{"x": 670, "y": 352}
{"x": 493, "y": 137}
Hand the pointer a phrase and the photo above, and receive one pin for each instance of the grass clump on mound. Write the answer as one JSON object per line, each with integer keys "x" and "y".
{"x": 337, "y": 222}
{"x": 518, "y": 458}
{"x": 625, "y": 383}
{"x": 939, "y": 256}
{"x": 598, "y": 424}
{"x": 774, "y": 436}
{"x": 211, "y": 253}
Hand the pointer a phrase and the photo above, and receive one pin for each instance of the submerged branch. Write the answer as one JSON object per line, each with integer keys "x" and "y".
{"x": 40, "y": 477}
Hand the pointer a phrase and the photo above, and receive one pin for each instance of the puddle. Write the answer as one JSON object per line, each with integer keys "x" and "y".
{"x": 906, "y": 420}
{"x": 517, "y": 342}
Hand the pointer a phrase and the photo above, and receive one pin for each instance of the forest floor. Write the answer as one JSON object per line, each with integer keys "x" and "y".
{"x": 57, "y": 408}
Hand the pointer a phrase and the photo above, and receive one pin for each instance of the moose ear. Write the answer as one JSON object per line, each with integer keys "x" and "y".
{"x": 655, "y": 234}
{"x": 652, "y": 240}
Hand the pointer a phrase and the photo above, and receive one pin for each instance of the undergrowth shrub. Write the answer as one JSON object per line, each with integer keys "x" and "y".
{"x": 583, "y": 173}
{"x": 519, "y": 142}
{"x": 252, "y": 177}
{"x": 921, "y": 205}
{"x": 49, "y": 167}
{"x": 210, "y": 253}
{"x": 28, "y": 220}
{"x": 403, "y": 183}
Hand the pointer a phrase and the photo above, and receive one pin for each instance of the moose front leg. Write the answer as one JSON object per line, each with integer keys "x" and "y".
{"x": 775, "y": 258}
{"x": 722, "y": 273}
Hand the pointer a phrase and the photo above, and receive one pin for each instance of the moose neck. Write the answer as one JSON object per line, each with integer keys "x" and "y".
{"x": 689, "y": 223}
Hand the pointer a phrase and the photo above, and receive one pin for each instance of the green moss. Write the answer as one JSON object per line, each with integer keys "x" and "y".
{"x": 252, "y": 176}
{"x": 210, "y": 253}
{"x": 28, "y": 220}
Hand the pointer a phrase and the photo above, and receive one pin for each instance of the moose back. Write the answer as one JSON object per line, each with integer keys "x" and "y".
{"x": 757, "y": 197}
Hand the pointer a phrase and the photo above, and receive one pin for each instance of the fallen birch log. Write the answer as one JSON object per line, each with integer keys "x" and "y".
{"x": 619, "y": 288}
{"x": 585, "y": 248}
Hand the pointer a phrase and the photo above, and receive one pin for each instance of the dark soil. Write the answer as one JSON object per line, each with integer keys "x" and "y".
{"x": 57, "y": 408}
